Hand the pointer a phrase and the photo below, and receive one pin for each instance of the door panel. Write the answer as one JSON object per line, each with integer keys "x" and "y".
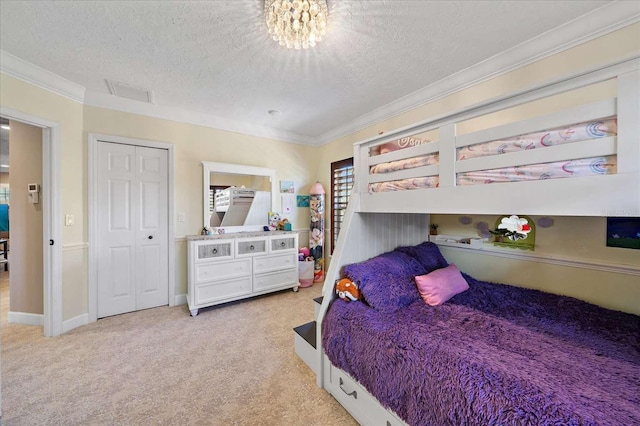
{"x": 119, "y": 205}
{"x": 132, "y": 228}
{"x": 152, "y": 228}
{"x": 116, "y": 238}
{"x": 120, "y": 288}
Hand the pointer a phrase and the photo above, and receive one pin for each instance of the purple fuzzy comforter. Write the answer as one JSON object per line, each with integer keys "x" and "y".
{"x": 493, "y": 355}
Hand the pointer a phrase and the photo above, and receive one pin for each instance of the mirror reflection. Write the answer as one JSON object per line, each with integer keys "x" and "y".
{"x": 237, "y": 196}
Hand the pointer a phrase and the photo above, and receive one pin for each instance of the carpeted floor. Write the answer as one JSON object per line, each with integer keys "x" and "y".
{"x": 231, "y": 365}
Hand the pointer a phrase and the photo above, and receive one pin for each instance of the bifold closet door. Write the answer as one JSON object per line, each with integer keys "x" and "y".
{"x": 132, "y": 228}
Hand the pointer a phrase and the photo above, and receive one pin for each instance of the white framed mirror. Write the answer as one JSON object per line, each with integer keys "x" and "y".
{"x": 225, "y": 174}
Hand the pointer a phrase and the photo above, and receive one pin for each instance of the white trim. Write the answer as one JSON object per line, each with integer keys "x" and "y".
{"x": 93, "y": 139}
{"x": 180, "y": 299}
{"x": 181, "y": 239}
{"x": 33, "y": 74}
{"x": 552, "y": 260}
{"x": 602, "y": 21}
{"x": 25, "y": 318}
{"x": 75, "y": 322}
{"x": 51, "y": 212}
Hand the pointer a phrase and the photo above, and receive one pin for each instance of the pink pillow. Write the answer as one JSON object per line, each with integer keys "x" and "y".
{"x": 441, "y": 285}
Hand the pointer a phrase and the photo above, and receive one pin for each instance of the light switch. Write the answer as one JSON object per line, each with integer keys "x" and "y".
{"x": 181, "y": 217}
{"x": 69, "y": 220}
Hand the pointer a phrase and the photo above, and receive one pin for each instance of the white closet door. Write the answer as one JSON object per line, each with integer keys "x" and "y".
{"x": 152, "y": 253}
{"x": 132, "y": 195}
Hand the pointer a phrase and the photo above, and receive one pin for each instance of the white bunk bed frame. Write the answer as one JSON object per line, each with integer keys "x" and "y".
{"x": 378, "y": 222}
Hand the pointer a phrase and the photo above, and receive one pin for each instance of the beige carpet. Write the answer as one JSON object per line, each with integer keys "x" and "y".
{"x": 230, "y": 365}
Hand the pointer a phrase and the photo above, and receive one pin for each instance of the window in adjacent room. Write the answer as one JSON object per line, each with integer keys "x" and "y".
{"x": 341, "y": 186}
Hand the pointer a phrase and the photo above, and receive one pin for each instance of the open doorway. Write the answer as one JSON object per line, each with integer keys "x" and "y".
{"x": 21, "y": 221}
{"x": 48, "y": 242}
{"x": 4, "y": 218}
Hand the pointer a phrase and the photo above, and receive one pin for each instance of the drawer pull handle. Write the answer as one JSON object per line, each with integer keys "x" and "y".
{"x": 353, "y": 393}
{"x": 251, "y": 247}
{"x": 282, "y": 244}
{"x": 215, "y": 251}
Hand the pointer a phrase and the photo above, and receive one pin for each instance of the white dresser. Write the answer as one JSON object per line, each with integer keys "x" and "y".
{"x": 229, "y": 267}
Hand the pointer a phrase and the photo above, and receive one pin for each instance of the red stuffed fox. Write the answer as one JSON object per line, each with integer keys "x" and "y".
{"x": 347, "y": 290}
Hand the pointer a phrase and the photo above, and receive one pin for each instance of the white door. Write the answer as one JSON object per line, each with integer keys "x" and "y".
{"x": 132, "y": 228}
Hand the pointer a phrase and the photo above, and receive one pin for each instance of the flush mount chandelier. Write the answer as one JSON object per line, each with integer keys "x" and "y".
{"x": 296, "y": 23}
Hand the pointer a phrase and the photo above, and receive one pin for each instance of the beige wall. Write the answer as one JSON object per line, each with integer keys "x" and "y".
{"x": 25, "y": 157}
{"x": 573, "y": 238}
{"x": 4, "y": 178}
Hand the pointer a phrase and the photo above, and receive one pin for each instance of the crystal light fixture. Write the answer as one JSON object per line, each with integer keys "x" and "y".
{"x": 296, "y": 23}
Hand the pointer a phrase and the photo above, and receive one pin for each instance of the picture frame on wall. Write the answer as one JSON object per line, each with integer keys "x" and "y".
{"x": 302, "y": 201}
{"x": 286, "y": 186}
{"x": 623, "y": 232}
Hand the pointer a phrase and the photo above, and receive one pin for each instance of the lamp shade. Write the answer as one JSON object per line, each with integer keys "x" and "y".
{"x": 317, "y": 188}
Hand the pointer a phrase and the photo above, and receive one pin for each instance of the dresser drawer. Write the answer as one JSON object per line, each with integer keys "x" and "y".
{"x": 214, "y": 271}
{"x": 276, "y": 262}
{"x": 274, "y": 280}
{"x": 283, "y": 243}
{"x": 360, "y": 403}
{"x": 213, "y": 250}
{"x": 251, "y": 247}
{"x": 218, "y": 291}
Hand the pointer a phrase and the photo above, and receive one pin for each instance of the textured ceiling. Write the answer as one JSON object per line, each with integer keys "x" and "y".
{"x": 216, "y": 57}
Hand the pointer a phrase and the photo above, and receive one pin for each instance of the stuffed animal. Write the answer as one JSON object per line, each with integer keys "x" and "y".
{"x": 347, "y": 290}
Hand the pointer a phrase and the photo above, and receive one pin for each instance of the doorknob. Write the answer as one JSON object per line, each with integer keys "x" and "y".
{"x": 151, "y": 237}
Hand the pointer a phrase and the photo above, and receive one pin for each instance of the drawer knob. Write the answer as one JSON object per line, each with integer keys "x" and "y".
{"x": 251, "y": 247}
{"x": 353, "y": 393}
{"x": 282, "y": 244}
{"x": 214, "y": 251}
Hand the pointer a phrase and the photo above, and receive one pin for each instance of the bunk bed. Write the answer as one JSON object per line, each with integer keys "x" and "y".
{"x": 582, "y": 160}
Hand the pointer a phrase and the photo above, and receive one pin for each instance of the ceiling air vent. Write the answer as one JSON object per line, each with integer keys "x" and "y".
{"x": 123, "y": 90}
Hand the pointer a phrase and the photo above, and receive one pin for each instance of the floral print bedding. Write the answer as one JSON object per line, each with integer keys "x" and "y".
{"x": 574, "y": 133}
{"x": 407, "y": 163}
{"x": 556, "y": 170}
{"x": 405, "y": 184}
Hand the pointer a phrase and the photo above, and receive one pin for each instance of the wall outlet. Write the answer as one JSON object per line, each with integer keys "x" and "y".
{"x": 181, "y": 217}
{"x": 69, "y": 220}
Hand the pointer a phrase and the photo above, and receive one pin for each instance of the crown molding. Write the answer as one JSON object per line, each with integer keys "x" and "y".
{"x": 108, "y": 101}
{"x": 33, "y": 74}
{"x": 597, "y": 23}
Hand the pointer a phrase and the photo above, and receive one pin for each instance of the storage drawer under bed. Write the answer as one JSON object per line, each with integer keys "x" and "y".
{"x": 357, "y": 401}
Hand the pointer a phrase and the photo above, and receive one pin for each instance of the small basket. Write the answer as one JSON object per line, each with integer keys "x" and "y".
{"x": 305, "y": 273}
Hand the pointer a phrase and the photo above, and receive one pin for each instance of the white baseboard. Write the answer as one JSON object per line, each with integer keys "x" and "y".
{"x": 25, "y": 318}
{"x": 180, "y": 299}
{"x": 75, "y": 322}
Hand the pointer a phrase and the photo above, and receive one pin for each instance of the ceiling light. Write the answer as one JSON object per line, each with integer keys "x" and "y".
{"x": 4, "y": 165}
{"x": 6, "y": 127}
{"x": 296, "y": 23}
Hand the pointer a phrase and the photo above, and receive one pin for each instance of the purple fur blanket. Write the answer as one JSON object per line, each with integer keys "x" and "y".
{"x": 493, "y": 355}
